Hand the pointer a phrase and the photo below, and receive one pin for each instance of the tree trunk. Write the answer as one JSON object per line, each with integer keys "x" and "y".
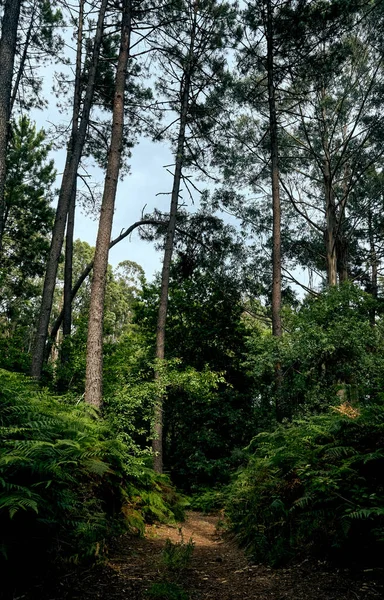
{"x": 374, "y": 267}
{"x": 57, "y": 324}
{"x": 67, "y": 308}
{"x": 276, "y": 206}
{"x": 341, "y": 238}
{"x": 342, "y": 257}
{"x": 10, "y": 23}
{"x": 157, "y": 442}
{"x": 24, "y": 56}
{"x": 74, "y": 153}
{"x": 94, "y": 367}
{"x": 330, "y": 234}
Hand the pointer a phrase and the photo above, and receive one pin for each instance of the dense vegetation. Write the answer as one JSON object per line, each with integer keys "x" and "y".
{"x": 248, "y": 373}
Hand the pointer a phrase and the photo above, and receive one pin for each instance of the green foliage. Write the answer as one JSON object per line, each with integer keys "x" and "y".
{"x": 175, "y": 557}
{"x": 66, "y": 483}
{"x": 60, "y": 475}
{"x": 315, "y": 485}
{"x": 330, "y": 350}
{"x": 208, "y": 407}
{"x": 167, "y": 591}
{"x": 28, "y": 218}
{"x": 209, "y": 500}
{"x": 152, "y": 498}
{"x": 28, "y": 213}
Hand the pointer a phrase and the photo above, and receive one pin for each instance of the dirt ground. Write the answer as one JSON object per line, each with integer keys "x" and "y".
{"x": 218, "y": 570}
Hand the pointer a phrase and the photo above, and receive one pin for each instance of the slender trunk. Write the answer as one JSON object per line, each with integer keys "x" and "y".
{"x": 8, "y": 39}
{"x": 157, "y": 442}
{"x": 74, "y": 153}
{"x": 374, "y": 267}
{"x": 330, "y": 238}
{"x": 66, "y": 311}
{"x": 342, "y": 257}
{"x": 67, "y": 308}
{"x": 330, "y": 209}
{"x": 94, "y": 367}
{"x": 276, "y": 206}
{"x": 341, "y": 238}
{"x": 24, "y": 56}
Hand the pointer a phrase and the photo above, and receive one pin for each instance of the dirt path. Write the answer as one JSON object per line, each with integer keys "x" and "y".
{"x": 218, "y": 570}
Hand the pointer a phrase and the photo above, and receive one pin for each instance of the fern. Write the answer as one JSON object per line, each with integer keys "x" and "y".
{"x": 313, "y": 484}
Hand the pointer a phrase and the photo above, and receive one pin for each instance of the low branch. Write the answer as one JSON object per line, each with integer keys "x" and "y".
{"x": 57, "y": 324}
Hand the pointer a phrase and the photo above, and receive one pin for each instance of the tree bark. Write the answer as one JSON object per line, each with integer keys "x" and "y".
{"x": 23, "y": 59}
{"x": 342, "y": 256}
{"x": 74, "y": 153}
{"x": 374, "y": 267}
{"x": 276, "y": 205}
{"x": 330, "y": 234}
{"x": 157, "y": 442}
{"x": 67, "y": 308}
{"x": 94, "y": 365}
{"x": 7, "y": 60}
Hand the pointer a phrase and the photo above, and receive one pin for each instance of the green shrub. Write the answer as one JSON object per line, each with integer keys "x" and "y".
{"x": 66, "y": 483}
{"x": 315, "y": 485}
{"x": 60, "y": 475}
{"x": 329, "y": 347}
{"x": 209, "y": 500}
{"x": 167, "y": 591}
{"x": 175, "y": 557}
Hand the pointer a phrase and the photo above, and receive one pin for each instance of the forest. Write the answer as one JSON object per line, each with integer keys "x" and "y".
{"x": 240, "y": 388}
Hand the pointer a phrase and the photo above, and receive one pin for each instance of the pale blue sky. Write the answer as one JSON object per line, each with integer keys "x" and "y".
{"x": 148, "y": 177}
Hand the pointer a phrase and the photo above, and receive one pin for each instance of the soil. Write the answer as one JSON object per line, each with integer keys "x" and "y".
{"x": 218, "y": 570}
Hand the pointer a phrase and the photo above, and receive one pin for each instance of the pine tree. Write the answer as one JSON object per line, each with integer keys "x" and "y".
{"x": 94, "y": 370}
{"x": 191, "y": 46}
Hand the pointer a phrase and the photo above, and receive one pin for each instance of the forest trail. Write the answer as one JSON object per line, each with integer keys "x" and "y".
{"x": 218, "y": 570}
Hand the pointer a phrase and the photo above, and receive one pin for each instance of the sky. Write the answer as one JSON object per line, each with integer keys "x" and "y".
{"x": 137, "y": 192}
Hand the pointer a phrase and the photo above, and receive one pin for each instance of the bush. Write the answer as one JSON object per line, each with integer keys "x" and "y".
{"x": 315, "y": 485}
{"x": 167, "y": 591}
{"x": 331, "y": 349}
{"x": 176, "y": 557}
{"x": 60, "y": 475}
{"x": 66, "y": 484}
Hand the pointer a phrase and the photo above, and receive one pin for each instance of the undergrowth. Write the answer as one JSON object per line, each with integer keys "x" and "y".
{"x": 209, "y": 500}
{"x": 66, "y": 484}
{"x": 315, "y": 485}
{"x": 174, "y": 560}
{"x": 167, "y": 591}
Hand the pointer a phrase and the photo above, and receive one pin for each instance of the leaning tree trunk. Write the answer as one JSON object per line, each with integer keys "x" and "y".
{"x": 7, "y": 59}
{"x": 276, "y": 206}
{"x": 83, "y": 276}
{"x": 74, "y": 153}
{"x": 94, "y": 366}
{"x": 24, "y": 56}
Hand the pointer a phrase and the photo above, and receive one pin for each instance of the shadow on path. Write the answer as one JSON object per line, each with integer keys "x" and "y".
{"x": 218, "y": 570}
